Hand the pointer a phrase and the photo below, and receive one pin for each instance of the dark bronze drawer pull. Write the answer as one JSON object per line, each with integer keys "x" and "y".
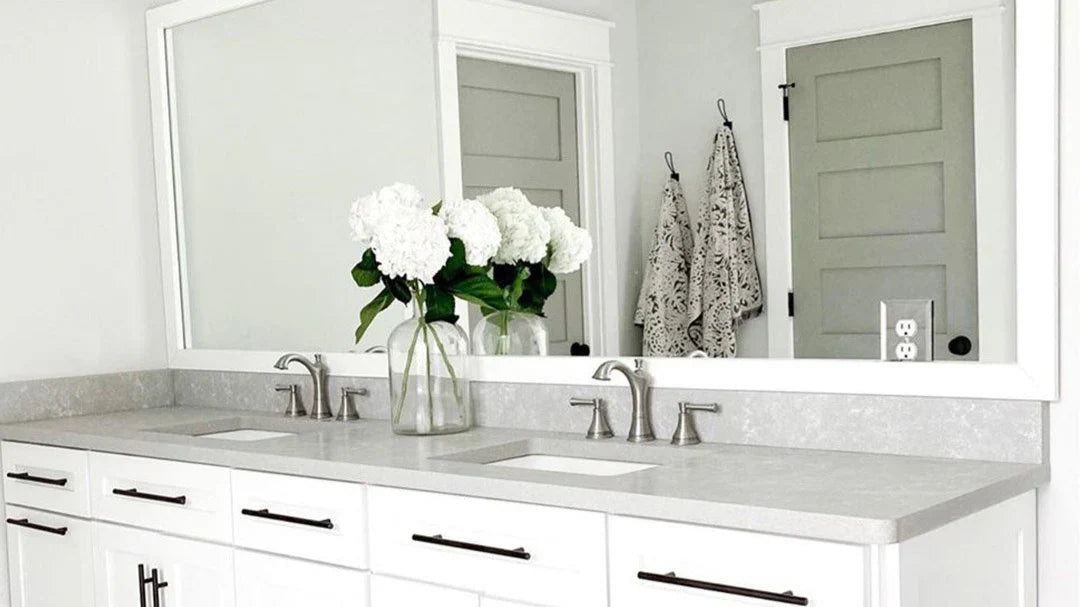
{"x": 788, "y": 598}
{"x": 22, "y": 522}
{"x": 26, "y": 476}
{"x": 285, "y": 518}
{"x": 179, "y": 499}
{"x": 438, "y": 540}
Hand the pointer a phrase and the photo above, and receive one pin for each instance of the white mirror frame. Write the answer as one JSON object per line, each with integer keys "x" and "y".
{"x": 510, "y": 31}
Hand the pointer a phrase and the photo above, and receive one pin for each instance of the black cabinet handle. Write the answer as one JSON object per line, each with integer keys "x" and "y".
{"x": 26, "y": 476}
{"x": 438, "y": 540}
{"x": 22, "y": 522}
{"x": 143, "y": 581}
{"x": 285, "y": 518}
{"x": 179, "y": 499}
{"x": 156, "y": 584}
{"x": 787, "y": 598}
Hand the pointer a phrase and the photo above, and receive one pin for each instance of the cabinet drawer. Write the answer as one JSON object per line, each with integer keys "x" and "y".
{"x": 542, "y": 555}
{"x": 46, "y": 477}
{"x": 49, "y": 559}
{"x": 724, "y": 567}
{"x": 307, "y": 518}
{"x": 394, "y": 592}
{"x": 264, "y": 580}
{"x": 175, "y": 497}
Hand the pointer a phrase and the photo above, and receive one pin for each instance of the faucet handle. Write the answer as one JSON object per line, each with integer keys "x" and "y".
{"x": 347, "y": 410}
{"x": 599, "y": 428}
{"x": 295, "y": 408}
{"x": 685, "y": 432}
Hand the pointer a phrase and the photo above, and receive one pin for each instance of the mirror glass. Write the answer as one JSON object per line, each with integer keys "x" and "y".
{"x": 898, "y": 217}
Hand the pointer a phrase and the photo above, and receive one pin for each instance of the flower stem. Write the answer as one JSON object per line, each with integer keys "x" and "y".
{"x": 430, "y": 380}
{"x": 405, "y": 373}
{"x": 449, "y": 367}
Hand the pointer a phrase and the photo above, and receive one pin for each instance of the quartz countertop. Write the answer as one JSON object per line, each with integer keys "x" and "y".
{"x": 848, "y": 497}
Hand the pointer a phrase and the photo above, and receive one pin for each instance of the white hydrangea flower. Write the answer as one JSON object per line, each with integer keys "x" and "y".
{"x": 476, "y": 226}
{"x": 524, "y": 232}
{"x": 407, "y": 238}
{"x": 411, "y": 243}
{"x": 570, "y": 245}
{"x": 371, "y": 210}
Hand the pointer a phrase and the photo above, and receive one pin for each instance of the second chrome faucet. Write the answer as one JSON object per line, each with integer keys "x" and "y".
{"x": 641, "y": 429}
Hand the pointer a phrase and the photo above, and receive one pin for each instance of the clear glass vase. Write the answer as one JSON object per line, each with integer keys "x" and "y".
{"x": 429, "y": 386}
{"x": 510, "y": 333}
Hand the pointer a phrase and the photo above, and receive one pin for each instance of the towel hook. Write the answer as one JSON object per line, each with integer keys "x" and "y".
{"x": 670, "y": 160}
{"x": 722, "y": 106}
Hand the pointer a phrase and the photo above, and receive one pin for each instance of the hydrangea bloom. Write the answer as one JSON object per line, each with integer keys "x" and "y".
{"x": 570, "y": 245}
{"x": 524, "y": 232}
{"x": 475, "y": 225}
{"x": 399, "y": 227}
{"x": 370, "y": 211}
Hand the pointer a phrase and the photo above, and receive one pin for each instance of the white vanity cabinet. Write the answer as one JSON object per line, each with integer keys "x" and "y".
{"x": 138, "y": 568}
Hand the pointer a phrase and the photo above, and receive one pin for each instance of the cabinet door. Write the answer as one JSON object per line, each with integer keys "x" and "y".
{"x": 263, "y": 580}
{"x": 49, "y": 559}
{"x": 395, "y": 592}
{"x": 189, "y": 573}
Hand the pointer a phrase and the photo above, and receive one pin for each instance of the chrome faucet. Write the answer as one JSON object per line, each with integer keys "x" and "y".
{"x": 640, "y": 419}
{"x": 320, "y": 378}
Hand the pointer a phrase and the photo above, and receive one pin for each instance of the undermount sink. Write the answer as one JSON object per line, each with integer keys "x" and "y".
{"x": 572, "y": 457}
{"x": 573, "y": 465}
{"x": 248, "y": 428}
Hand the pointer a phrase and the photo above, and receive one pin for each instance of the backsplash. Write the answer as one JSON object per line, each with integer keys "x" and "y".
{"x": 22, "y": 401}
{"x": 993, "y": 430}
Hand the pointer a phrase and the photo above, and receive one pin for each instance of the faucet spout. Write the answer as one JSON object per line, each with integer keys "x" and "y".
{"x": 320, "y": 379}
{"x": 641, "y": 429}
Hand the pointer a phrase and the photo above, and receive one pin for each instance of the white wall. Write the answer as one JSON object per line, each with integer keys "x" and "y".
{"x": 79, "y": 286}
{"x": 1059, "y": 502}
{"x": 80, "y": 290}
{"x": 691, "y": 53}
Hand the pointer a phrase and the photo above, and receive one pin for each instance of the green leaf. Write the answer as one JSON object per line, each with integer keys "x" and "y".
{"x": 504, "y": 274}
{"x": 439, "y": 304}
{"x": 438, "y": 207}
{"x": 399, "y": 288}
{"x": 368, "y": 313}
{"x": 456, "y": 263}
{"x": 480, "y": 290}
{"x": 366, "y": 273}
{"x": 517, "y": 287}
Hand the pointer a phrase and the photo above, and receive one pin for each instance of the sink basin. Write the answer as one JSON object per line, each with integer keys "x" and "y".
{"x": 248, "y": 428}
{"x": 588, "y": 458}
{"x": 573, "y": 465}
{"x": 245, "y": 435}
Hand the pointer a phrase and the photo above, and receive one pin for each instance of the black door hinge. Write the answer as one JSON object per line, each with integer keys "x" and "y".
{"x": 786, "y": 90}
{"x": 791, "y": 304}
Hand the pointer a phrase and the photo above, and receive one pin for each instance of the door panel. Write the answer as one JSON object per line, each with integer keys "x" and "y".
{"x": 49, "y": 569}
{"x": 395, "y": 592}
{"x": 882, "y": 187}
{"x": 198, "y": 574}
{"x": 519, "y": 128}
{"x": 263, "y": 580}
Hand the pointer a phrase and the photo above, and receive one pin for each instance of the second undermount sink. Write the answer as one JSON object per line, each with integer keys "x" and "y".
{"x": 573, "y": 465}
{"x": 572, "y": 457}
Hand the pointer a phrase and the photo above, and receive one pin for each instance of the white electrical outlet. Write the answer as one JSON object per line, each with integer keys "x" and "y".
{"x": 907, "y": 327}
{"x": 907, "y": 350}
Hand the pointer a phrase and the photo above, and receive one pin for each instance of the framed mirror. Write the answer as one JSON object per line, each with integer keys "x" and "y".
{"x": 817, "y": 169}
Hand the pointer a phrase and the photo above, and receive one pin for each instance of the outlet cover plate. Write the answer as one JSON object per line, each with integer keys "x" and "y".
{"x": 896, "y": 310}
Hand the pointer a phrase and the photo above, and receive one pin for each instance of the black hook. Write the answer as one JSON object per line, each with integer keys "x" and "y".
{"x": 722, "y": 106}
{"x": 670, "y": 160}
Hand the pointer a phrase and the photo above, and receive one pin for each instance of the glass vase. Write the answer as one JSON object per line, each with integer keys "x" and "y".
{"x": 429, "y": 386}
{"x": 510, "y": 333}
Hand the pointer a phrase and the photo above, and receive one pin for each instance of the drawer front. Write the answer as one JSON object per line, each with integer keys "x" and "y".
{"x": 540, "y": 555}
{"x": 395, "y": 592}
{"x": 307, "y": 518}
{"x": 49, "y": 559}
{"x": 264, "y": 580}
{"x": 175, "y": 497}
{"x": 714, "y": 567}
{"x": 46, "y": 477}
